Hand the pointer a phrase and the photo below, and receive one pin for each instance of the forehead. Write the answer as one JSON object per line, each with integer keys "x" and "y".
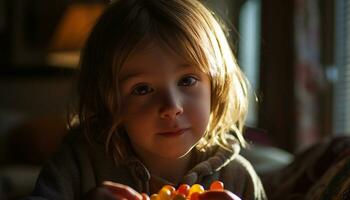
{"x": 150, "y": 56}
{"x": 153, "y": 60}
{"x": 151, "y": 52}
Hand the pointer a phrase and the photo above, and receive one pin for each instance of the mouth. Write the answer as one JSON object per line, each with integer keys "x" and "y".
{"x": 174, "y": 133}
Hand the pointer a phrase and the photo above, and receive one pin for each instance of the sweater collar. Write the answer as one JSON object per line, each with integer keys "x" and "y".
{"x": 209, "y": 162}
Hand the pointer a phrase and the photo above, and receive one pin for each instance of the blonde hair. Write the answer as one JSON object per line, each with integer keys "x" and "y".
{"x": 185, "y": 26}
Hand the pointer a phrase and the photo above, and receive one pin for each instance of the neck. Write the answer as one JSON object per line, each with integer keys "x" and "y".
{"x": 170, "y": 169}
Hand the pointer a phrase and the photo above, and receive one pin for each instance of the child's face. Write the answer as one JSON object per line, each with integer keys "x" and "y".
{"x": 165, "y": 102}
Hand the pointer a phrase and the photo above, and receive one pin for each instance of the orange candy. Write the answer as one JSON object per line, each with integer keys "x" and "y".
{"x": 170, "y": 188}
{"x": 217, "y": 186}
{"x": 184, "y": 189}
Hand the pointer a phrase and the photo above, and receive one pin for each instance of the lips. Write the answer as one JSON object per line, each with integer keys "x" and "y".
{"x": 174, "y": 133}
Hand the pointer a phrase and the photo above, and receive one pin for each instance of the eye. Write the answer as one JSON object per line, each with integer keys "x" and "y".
{"x": 142, "y": 90}
{"x": 188, "y": 81}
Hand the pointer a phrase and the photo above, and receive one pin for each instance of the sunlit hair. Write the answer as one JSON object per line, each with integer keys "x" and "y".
{"x": 186, "y": 27}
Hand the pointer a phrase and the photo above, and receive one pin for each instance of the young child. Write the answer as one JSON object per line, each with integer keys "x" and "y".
{"x": 162, "y": 101}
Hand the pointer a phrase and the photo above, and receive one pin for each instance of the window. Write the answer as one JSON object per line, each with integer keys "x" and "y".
{"x": 249, "y": 52}
{"x": 341, "y": 105}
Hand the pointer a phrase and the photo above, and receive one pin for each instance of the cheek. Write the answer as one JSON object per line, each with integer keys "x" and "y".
{"x": 199, "y": 109}
{"x": 136, "y": 114}
{"x": 136, "y": 106}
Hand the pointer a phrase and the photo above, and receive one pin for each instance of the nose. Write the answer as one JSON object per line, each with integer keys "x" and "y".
{"x": 171, "y": 106}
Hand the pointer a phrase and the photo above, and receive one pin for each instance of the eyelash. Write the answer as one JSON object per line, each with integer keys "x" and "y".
{"x": 145, "y": 86}
{"x": 134, "y": 91}
{"x": 195, "y": 80}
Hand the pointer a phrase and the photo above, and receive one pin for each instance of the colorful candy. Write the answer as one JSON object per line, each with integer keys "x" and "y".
{"x": 217, "y": 186}
{"x": 185, "y": 192}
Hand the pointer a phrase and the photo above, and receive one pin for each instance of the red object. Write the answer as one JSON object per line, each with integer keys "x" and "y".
{"x": 194, "y": 196}
{"x": 217, "y": 186}
{"x": 184, "y": 189}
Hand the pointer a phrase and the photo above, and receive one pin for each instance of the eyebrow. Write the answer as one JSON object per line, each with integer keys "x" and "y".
{"x": 133, "y": 75}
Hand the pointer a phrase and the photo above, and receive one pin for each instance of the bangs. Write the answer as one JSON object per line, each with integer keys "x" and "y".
{"x": 148, "y": 28}
{"x": 182, "y": 43}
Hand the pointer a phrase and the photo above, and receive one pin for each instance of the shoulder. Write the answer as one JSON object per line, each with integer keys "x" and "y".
{"x": 60, "y": 175}
{"x": 70, "y": 172}
{"x": 240, "y": 177}
{"x": 79, "y": 149}
{"x": 66, "y": 157}
{"x": 244, "y": 167}
{"x": 239, "y": 169}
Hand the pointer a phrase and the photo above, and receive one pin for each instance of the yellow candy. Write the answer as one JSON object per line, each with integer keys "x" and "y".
{"x": 196, "y": 188}
{"x": 164, "y": 194}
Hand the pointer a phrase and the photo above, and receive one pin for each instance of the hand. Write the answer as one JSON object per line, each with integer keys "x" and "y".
{"x": 218, "y": 195}
{"x": 115, "y": 191}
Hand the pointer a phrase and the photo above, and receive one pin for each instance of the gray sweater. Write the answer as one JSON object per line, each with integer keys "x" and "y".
{"x": 79, "y": 166}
